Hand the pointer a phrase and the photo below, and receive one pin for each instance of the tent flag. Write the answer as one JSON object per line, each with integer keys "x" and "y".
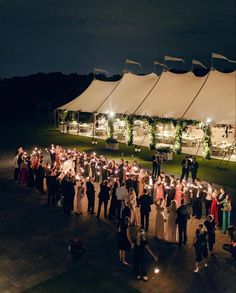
{"x": 196, "y": 62}
{"x": 96, "y": 69}
{"x": 218, "y": 56}
{"x": 161, "y": 64}
{"x": 128, "y": 61}
{"x": 170, "y": 58}
{"x": 231, "y": 61}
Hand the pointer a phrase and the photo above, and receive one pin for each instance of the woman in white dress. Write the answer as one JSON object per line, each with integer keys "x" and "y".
{"x": 79, "y": 194}
{"x": 132, "y": 203}
{"x": 171, "y": 224}
{"x": 160, "y": 219}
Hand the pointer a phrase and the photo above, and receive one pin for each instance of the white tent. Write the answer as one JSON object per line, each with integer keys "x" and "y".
{"x": 129, "y": 93}
{"x": 172, "y": 95}
{"x": 216, "y": 100}
{"x": 92, "y": 97}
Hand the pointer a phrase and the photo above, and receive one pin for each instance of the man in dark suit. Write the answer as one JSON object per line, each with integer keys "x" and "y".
{"x": 51, "y": 187}
{"x": 186, "y": 164}
{"x": 194, "y": 169}
{"x": 124, "y": 212}
{"x": 129, "y": 183}
{"x": 103, "y": 196}
{"x": 197, "y": 192}
{"x": 182, "y": 220}
{"x": 68, "y": 192}
{"x": 156, "y": 165}
{"x": 90, "y": 191}
{"x": 145, "y": 201}
{"x": 220, "y": 198}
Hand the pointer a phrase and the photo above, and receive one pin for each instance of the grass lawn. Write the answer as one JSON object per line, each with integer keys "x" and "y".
{"x": 84, "y": 278}
{"x": 30, "y": 135}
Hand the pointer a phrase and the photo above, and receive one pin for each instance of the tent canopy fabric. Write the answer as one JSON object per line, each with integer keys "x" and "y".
{"x": 129, "y": 93}
{"x": 171, "y": 95}
{"x": 92, "y": 97}
{"x": 216, "y": 101}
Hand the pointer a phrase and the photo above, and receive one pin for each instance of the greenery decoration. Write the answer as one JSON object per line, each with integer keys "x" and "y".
{"x": 178, "y": 136}
{"x": 63, "y": 115}
{"x": 130, "y": 130}
{"x": 165, "y": 149}
{"x": 152, "y": 132}
{"x": 110, "y": 127}
{"x": 72, "y": 116}
{"x": 207, "y": 143}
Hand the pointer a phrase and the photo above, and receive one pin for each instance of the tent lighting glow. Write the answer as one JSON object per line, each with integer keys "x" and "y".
{"x": 111, "y": 114}
{"x": 208, "y": 120}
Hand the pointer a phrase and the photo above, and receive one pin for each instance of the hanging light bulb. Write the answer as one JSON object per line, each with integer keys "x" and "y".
{"x": 156, "y": 270}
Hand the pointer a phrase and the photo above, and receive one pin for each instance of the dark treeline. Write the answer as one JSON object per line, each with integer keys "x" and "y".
{"x": 36, "y": 96}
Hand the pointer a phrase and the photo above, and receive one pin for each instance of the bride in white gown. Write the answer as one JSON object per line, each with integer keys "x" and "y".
{"x": 160, "y": 219}
{"x": 171, "y": 224}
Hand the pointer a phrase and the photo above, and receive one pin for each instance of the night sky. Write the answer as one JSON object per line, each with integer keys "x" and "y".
{"x": 76, "y": 36}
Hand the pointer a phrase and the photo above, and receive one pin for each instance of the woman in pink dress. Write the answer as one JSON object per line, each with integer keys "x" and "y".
{"x": 178, "y": 192}
{"x": 159, "y": 189}
{"x": 214, "y": 207}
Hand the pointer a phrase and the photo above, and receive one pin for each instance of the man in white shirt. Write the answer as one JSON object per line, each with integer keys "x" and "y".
{"x": 121, "y": 194}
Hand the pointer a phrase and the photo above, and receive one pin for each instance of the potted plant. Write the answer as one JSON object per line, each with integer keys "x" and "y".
{"x": 112, "y": 144}
{"x": 166, "y": 152}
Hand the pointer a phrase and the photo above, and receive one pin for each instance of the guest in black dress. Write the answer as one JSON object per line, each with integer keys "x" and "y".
{"x": 124, "y": 240}
{"x": 200, "y": 245}
{"x": 210, "y": 225}
{"x": 139, "y": 256}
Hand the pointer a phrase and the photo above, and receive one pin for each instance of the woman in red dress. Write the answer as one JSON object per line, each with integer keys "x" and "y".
{"x": 214, "y": 207}
{"x": 23, "y": 174}
{"x": 178, "y": 192}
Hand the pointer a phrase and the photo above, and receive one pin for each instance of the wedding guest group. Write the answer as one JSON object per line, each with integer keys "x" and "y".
{"x": 126, "y": 192}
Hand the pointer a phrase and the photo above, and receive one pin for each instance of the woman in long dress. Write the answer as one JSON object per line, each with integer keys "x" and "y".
{"x": 160, "y": 219}
{"x": 79, "y": 194}
{"x": 159, "y": 189}
{"x": 171, "y": 224}
{"x": 132, "y": 203}
{"x": 226, "y": 214}
{"x": 124, "y": 240}
{"x": 214, "y": 206}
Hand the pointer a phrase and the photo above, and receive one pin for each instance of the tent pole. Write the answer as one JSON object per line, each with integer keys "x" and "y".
{"x": 78, "y": 124}
{"x": 196, "y": 95}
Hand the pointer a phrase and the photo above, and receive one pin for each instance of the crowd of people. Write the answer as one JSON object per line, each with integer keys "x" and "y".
{"x": 125, "y": 188}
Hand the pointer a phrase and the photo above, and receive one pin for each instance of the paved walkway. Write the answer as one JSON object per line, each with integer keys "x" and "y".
{"x": 34, "y": 237}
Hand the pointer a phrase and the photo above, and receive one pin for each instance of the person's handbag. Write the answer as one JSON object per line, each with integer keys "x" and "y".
{"x": 60, "y": 202}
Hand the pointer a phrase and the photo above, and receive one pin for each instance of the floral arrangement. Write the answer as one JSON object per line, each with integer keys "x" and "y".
{"x": 111, "y": 140}
{"x": 164, "y": 149}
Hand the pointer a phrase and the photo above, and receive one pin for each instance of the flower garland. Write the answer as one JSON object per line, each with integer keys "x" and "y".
{"x": 152, "y": 132}
{"x": 130, "y": 130}
{"x": 62, "y": 115}
{"x": 207, "y": 143}
{"x": 178, "y": 136}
